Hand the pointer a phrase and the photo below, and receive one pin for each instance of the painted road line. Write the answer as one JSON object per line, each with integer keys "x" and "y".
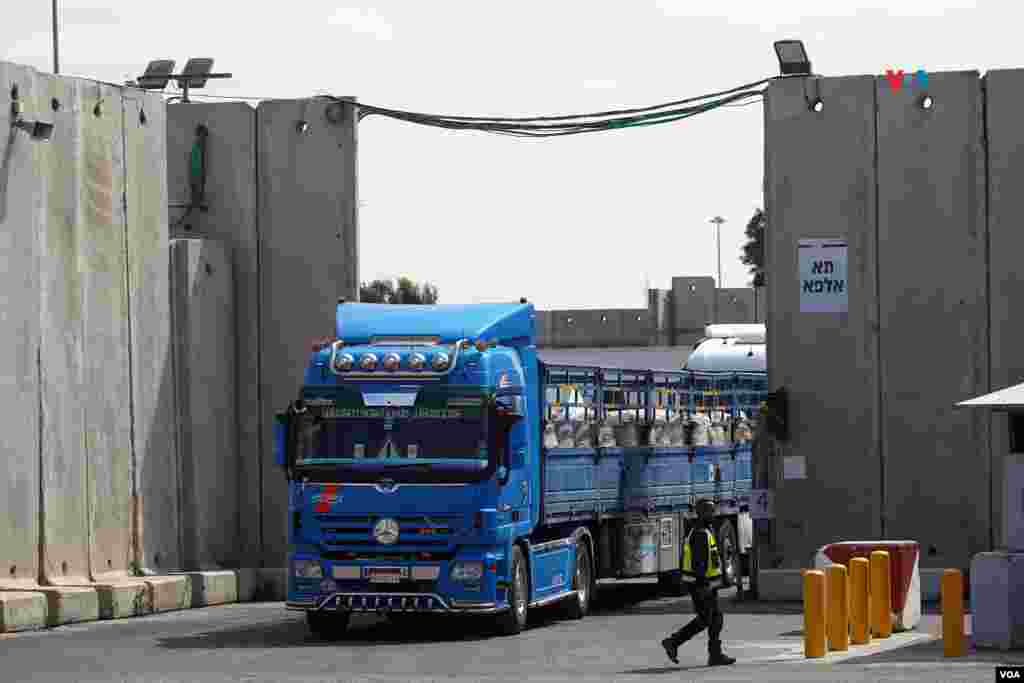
{"x": 893, "y": 642}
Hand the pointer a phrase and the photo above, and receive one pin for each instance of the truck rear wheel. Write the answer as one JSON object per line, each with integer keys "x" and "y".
{"x": 514, "y": 621}
{"x": 577, "y": 606}
{"x": 730, "y": 551}
{"x": 328, "y": 625}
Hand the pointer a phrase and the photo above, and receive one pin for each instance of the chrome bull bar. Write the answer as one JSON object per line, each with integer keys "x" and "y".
{"x": 383, "y": 603}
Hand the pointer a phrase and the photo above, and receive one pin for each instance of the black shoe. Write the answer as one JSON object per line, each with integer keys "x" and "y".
{"x": 720, "y": 660}
{"x": 670, "y": 650}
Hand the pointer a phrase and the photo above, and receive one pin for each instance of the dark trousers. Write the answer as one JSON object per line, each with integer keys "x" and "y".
{"x": 709, "y": 616}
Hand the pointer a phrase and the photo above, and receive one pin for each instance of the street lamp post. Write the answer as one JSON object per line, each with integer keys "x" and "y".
{"x": 717, "y": 221}
{"x": 56, "y": 55}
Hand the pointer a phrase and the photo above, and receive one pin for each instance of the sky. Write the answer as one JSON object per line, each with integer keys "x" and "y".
{"x": 585, "y": 221}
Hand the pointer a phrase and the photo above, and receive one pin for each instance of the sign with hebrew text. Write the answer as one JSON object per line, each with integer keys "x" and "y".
{"x": 824, "y": 286}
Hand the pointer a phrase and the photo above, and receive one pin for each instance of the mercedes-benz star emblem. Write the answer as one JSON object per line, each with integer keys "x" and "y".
{"x": 386, "y": 531}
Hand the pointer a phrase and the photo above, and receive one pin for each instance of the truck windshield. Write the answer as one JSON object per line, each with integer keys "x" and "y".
{"x": 441, "y": 426}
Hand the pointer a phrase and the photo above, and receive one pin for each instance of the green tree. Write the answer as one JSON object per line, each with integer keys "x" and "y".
{"x": 753, "y": 250}
{"x": 405, "y": 291}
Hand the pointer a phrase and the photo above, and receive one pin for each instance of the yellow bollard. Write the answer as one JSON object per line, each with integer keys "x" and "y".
{"x": 881, "y": 594}
{"x": 952, "y": 613}
{"x": 861, "y": 604}
{"x": 814, "y": 613}
{"x": 838, "y": 608}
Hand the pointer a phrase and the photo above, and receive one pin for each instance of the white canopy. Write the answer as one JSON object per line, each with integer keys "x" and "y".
{"x": 1011, "y": 398}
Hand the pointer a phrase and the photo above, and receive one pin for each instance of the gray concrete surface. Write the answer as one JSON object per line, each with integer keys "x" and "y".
{"x": 106, "y": 386}
{"x": 308, "y": 258}
{"x": 1004, "y": 110}
{"x": 63, "y": 466}
{"x": 654, "y": 358}
{"x": 230, "y": 217}
{"x": 735, "y": 305}
{"x": 933, "y": 317}
{"x": 22, "y": 611}
{"x": 204, "y": 329}
{"x": 617, "y": 642}
{"x": 19, "y": 334}
{"x": 693, "y": 306}
{"x": 155, "y": 478}
{"x": 829, "y": 362}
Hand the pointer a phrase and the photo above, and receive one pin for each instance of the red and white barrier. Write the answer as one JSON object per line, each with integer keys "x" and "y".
{"x": 905, "y": 573}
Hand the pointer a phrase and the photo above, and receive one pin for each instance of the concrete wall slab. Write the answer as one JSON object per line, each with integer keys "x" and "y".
{"x": 827, "y": 361}
{"x": 106, "y": 383}
{"x": 204, "y": 316}
{"x": 156, "y": 518}
{"x": 19, "y": 332}
{"x": 308, "y": 258}
{"x": 65, "y": 528}
{"x": 693, "y": 306}
{"x": 1004, "y": 111}
{"x": 230, "y": 218}
{"x": 735, "y": 305}
{"x": 933, "y": 308}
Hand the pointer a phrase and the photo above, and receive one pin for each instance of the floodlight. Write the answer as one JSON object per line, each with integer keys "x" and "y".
{"x": 793, "y": 59}
{"x": 198, "y": 68}
{"x": 157, "y": 74}
{"x": 37, "y": 130}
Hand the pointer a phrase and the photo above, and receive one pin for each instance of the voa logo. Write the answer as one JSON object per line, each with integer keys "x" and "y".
{"x": 1011, "y": 675}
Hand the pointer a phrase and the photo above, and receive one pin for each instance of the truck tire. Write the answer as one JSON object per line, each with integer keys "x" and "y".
{"x": 327, "y": 625}
{"x": 514, "y": 620}
{"x": 730, "y": 552}
{"x": 577, "y": 606}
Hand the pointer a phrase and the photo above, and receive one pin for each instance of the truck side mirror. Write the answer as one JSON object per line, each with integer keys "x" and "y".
{"x": 282, "y": 422}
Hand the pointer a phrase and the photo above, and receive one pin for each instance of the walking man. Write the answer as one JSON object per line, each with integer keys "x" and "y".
{"x": 702, "y": 571}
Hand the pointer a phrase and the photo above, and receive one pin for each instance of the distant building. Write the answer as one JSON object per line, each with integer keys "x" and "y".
{"x": 659, "y": 336}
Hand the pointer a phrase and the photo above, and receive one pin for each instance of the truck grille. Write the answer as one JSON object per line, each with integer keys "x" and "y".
{"x": 431, "y": 531}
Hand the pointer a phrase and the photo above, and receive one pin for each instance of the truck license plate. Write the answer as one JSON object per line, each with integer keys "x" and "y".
{"x": 387, "y": 574}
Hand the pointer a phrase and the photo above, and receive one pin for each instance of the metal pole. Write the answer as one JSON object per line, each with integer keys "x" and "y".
{"x": 718, "y": 220}
{"x": 718, "y": 234}
{"x": 56, "y": 53}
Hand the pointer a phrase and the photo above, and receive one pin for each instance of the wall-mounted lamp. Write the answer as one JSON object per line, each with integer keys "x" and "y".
{"x": 927, "y": 102}
{"x": 793, "y": 59}
{"x": 37, "y": 130}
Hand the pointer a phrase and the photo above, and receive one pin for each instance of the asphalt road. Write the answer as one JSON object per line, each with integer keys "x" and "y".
{"x": 261, "y": 642}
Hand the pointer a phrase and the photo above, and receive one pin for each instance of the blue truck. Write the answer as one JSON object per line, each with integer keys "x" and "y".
{"x": 436, "y": 465}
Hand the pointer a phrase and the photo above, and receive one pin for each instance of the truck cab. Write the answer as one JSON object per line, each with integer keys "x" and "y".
{"x": 406, "y": 454}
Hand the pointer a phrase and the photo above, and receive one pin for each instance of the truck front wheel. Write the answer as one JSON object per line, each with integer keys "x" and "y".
{"x": 577, "y": 606}
{"x": 327, "y": 625}
{"x": 514, "y": 621}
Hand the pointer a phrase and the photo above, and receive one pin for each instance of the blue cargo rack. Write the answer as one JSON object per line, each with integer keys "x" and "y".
{"x": 593, "y": 481}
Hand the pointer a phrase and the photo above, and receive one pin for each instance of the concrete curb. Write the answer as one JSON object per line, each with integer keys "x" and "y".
{"x": 213, "y": 587}
{"x": 22, "y": 611}
{"x": 33, "y": 607}
{"x": 786, "y": 585}
{"x": 169, "y": 593}
{"x": 70, "y": 605}
{"x": 262, "y": 584}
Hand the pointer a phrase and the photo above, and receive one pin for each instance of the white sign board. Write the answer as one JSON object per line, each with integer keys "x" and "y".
{"x": 762, "y": 504}
{"x": 824, "y": 287}
{"x": 794, "y": 467}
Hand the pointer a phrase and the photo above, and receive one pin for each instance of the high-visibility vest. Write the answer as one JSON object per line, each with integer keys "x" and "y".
{"x": 713, "y": 573}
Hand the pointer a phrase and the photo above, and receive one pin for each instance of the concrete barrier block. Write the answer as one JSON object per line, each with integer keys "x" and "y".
{"x": 262, "y": 584}
{"x": 124, "y": 599}
{"x": 70, "y": 605}
{"x": 780, "y": 585}
{"x": 213, "y": 588}
{"x": 170, "y": 593}
{"x": 22, "y": 611}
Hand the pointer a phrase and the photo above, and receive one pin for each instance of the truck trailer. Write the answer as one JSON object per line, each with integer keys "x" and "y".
{"x": 436, "y": 465}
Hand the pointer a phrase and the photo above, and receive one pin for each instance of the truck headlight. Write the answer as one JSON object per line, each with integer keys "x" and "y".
{"x": 307, "y": 569}
{"x": 465, "y": 572}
